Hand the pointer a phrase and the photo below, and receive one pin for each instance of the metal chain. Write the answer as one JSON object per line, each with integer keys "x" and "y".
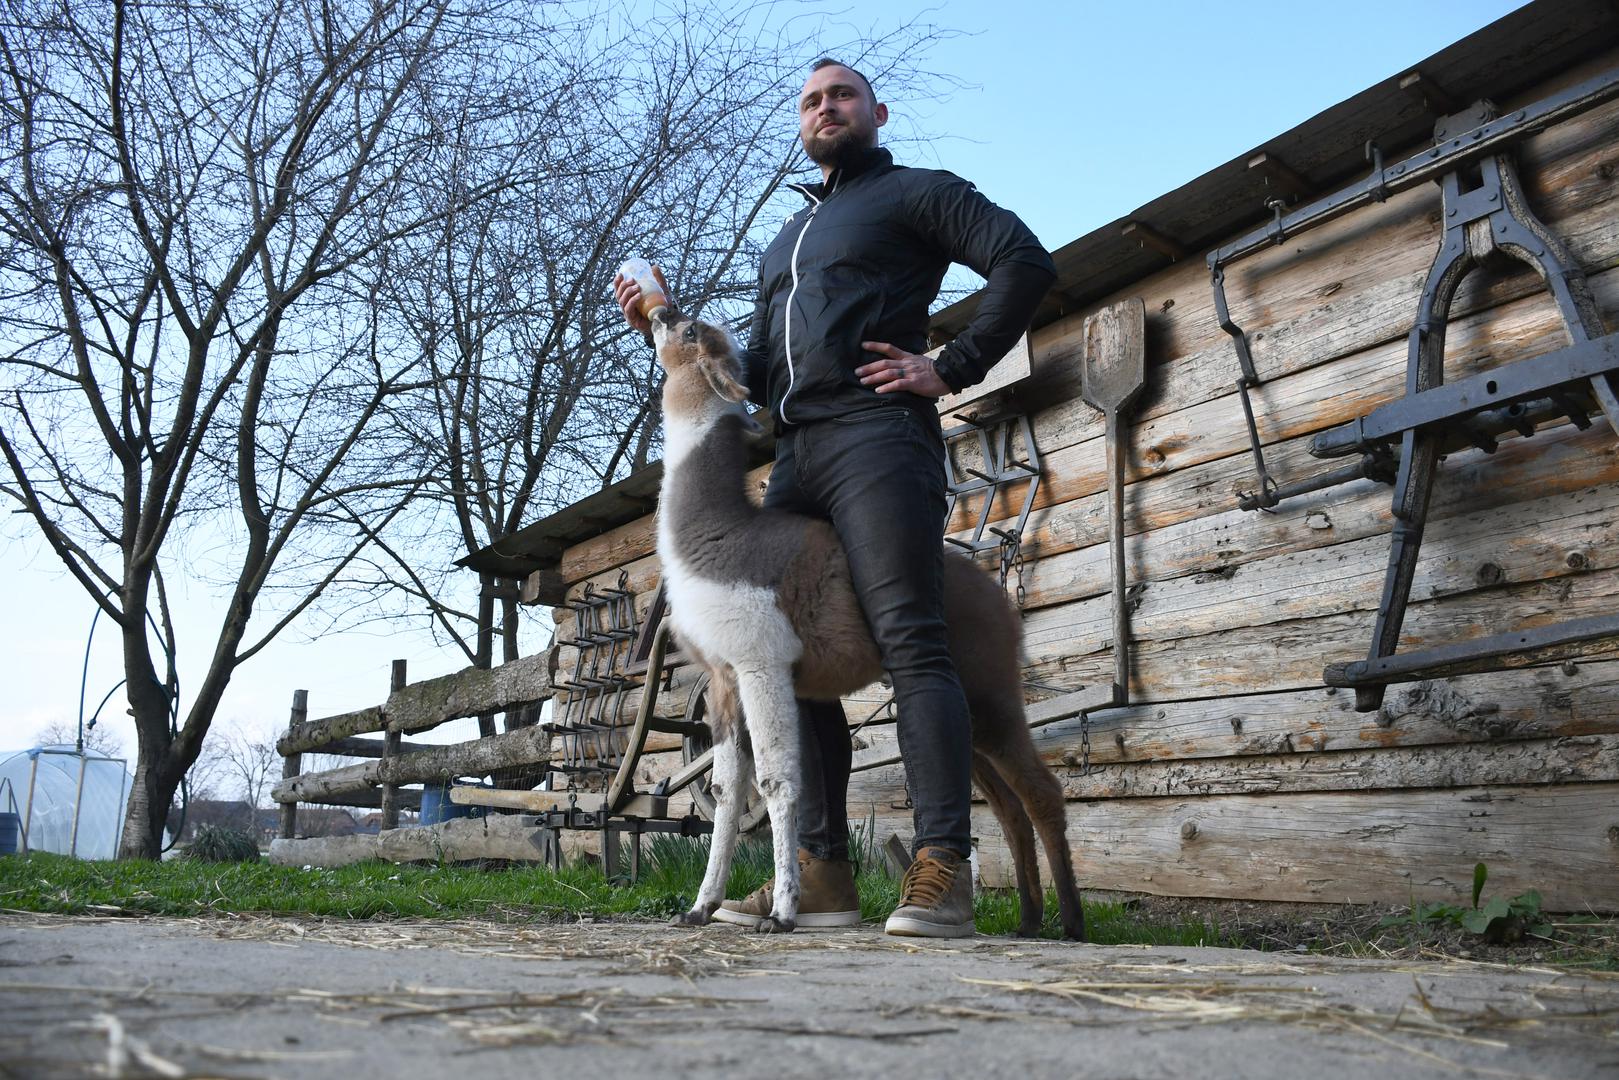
{"x": 1084, "y": 744}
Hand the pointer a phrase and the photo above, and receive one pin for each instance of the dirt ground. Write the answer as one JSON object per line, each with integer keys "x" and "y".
{"x": 256, "y": 997}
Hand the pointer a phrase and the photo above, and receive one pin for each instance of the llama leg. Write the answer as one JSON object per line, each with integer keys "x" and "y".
{"x": 728, "y": 783}
{"x": 1043, "y": 800}
{"x": 772, "y": 713}
{"x": 1020, "y": 838}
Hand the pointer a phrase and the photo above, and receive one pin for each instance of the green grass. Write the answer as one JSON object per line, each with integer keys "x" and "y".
{"x": 671, "y": 871}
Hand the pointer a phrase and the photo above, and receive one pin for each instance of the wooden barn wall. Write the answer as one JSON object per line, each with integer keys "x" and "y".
{"x": 1237, "y": 773}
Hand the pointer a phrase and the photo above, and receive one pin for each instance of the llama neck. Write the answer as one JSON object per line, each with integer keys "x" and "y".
{"x": 705, "y": 470}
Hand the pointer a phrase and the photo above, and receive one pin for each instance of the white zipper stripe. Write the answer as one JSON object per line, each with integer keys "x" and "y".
{"x": 792, "y": 374}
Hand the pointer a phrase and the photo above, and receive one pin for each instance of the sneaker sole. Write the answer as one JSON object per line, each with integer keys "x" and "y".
{"x": 823, "y": 920}
{"x": 901, "y": 926}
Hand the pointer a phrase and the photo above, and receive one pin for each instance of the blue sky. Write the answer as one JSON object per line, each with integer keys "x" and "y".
{"x": 1085, "y": 111}
{"x": 1077, "y": 113}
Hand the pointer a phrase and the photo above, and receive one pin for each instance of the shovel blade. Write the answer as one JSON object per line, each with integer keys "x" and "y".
{"x": 1115, "y": 364}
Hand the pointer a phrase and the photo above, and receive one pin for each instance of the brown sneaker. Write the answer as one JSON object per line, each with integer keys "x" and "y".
{"x": 826, "y": 897}
{"x": 935, "y": 897}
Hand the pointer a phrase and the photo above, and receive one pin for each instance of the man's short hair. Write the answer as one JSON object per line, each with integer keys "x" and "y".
{"x": 827, "y": 61}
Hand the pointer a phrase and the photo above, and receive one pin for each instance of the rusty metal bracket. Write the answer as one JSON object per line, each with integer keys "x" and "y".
{"x": 1486, "y": 217}
{"x": 1470, "y": 138}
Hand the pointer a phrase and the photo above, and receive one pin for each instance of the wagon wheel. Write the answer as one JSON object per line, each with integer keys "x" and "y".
{"x": 697, "y": 743}
{"x": 622, "y": 786}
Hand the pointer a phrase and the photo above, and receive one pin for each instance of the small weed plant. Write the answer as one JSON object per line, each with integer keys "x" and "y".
{"x": 1501, "y": 921}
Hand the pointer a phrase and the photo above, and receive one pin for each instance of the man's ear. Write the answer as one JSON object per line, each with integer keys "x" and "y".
{"x": 880, "y": 111}
{"x": 720, "y": 371}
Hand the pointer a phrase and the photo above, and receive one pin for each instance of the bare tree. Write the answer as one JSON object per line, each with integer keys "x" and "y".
{"x": 678, "y": 134}
{"x": 96, "y": 737}
{"x": 251, "y": 763}
{"x": 197, "y": 203}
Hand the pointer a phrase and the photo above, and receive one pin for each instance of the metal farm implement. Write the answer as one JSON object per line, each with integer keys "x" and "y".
{"x": 1485, "y": 216}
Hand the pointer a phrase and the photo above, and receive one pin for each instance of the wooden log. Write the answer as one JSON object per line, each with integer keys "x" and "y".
{"x": 1541, "y": 703}
{"x": 1290, "y": 655}
{"x": 309, "y": 737}
{"x": 1538, "y": 540}
{"x": 1584, "y": 758}
{"x": 390, "y": 750}
{"x": 1362, "y": 848}
{"x": 371, "y": 799}
{"x": 371, "y": 748}
{"x": 641, "y": 806}
{"x": 472, "y": 691}
{"x": 1560, "y": 461}
{"x": 525, "y": 746}
{"x": 513, "y": 837}
{"x": 292, "y": 764}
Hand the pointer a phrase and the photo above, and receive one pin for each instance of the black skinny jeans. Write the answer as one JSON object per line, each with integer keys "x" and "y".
{"x": 879, "y": 477}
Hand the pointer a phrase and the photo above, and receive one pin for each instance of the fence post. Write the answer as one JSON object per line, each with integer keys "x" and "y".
{"x": 293, "y": 764}
{"x": 390, "y": 750}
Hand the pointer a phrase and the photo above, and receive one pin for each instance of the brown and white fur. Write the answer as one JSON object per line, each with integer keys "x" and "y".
{"x": 763, "y": 600}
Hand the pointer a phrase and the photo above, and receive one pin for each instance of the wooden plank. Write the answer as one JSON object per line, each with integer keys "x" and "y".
{"x": 525, "y": 746}
{"x": 1364, "y": 847}
{"x": 1290, "y": 655}
{"x": 1050, "y": 711}
{"x": 1540, "y": 703}
{"x": 1584, "y": 758}
{"x": 511, "y": 837}
{"x": 470, "y": 692}
{"x": 1559, "y": 461}
{"x": 1017, "y": 365}
{"x": 1533, "y": 541}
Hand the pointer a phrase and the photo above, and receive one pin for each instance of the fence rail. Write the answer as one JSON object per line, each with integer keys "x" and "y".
{"x": 521, "y": 685}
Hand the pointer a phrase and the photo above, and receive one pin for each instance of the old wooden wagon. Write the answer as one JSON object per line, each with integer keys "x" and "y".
{"x": 1408, "y": 308}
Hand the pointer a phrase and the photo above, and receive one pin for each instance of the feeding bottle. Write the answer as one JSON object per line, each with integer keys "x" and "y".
{"x": 653, "y": 298}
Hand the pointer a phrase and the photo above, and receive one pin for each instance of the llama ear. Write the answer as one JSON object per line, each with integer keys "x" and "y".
{"x": 720, "y": 371}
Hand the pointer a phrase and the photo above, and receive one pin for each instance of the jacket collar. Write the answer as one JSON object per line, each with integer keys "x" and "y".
{"x": 874, "y": 158}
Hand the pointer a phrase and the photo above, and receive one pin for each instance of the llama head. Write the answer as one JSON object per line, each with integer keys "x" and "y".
{"x": 699, "y": 361}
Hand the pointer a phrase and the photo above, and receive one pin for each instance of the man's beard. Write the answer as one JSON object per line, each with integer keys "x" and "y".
{"x": 837, "y": 149}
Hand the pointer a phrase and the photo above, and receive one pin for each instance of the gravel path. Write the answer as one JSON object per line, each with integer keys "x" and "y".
{"x": 262, "y": 997}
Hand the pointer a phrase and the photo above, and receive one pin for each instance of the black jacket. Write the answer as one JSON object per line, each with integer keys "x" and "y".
{"x": 862, "y": 262}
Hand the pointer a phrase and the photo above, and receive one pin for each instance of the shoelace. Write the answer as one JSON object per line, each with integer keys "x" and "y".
{"x": 926, "y": 882}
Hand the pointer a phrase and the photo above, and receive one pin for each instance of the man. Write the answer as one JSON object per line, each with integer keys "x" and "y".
{"x": 835, "y": 349}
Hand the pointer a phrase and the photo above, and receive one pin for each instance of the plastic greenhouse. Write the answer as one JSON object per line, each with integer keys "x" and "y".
{"x": 64, "y": 801}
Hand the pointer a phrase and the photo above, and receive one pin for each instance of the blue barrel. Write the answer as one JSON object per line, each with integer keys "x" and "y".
{"x": 437, "y": 807}
{"x": 10, "y": 833}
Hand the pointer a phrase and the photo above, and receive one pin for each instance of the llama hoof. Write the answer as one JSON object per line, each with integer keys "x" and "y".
{"x": 1028, "y": 930}
{"x": 772, "y": 925}
{"x": 1075, "y": 932}
{"x": 694, "y": 917}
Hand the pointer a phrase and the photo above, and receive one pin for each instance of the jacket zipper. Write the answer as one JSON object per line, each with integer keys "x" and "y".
{"x": 792, "y": 373}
